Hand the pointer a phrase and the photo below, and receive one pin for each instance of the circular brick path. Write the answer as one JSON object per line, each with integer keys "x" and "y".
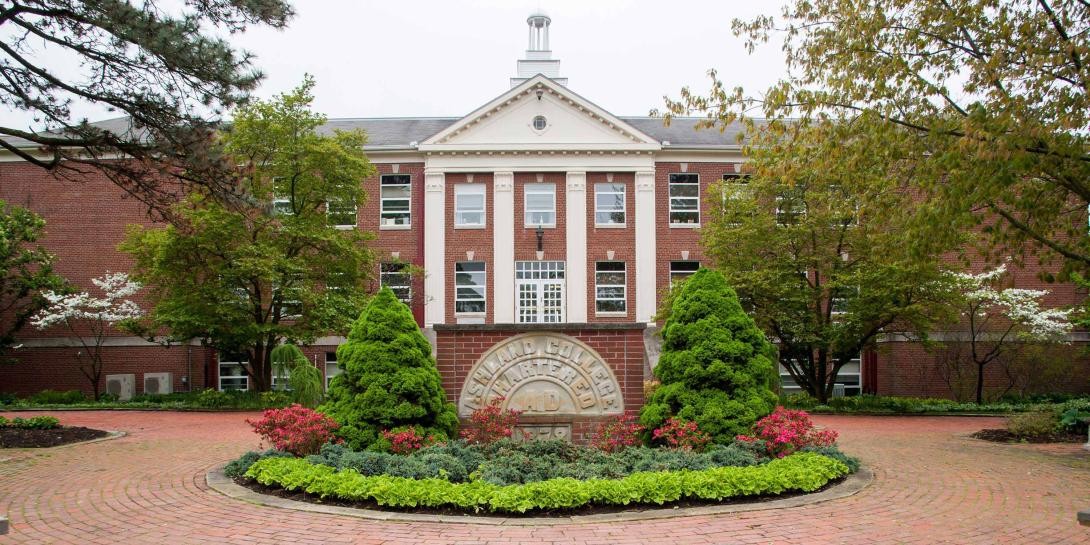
{"x": 932, "y": 485}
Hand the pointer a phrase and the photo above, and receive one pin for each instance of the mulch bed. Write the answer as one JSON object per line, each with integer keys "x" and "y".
{"x": 1004, "y": 436}
{"x": 451, "y": 511}
{"x": 20, "y": 438}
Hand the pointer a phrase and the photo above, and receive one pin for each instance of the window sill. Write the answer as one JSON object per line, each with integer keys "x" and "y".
{"x": 684, "y": 225}
{"x": 543, "y": 226}
{"x": 610, "y": 225}
{"x": 611, "y": 314}
{"x": 394, "y": 227}
{"x": 344, "y": 227}
{"x": 470, "y": 226}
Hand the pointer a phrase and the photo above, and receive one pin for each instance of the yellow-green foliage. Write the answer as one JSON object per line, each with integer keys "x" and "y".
{"x": 716, "y": 366}
{"x": 390, "y": 379}
{"x": 802, "y": 472}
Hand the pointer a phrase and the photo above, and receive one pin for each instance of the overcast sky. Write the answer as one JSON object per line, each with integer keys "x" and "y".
{"x": 446, "y": 58}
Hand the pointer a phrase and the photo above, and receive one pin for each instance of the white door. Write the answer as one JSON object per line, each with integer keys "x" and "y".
{"x": 539, "y": 291}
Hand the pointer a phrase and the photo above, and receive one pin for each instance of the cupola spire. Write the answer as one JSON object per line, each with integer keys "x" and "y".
{"x": 539, "y": 58}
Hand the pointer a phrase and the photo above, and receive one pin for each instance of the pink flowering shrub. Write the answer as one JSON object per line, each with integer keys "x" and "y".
{"x": 786, "y": 431}
{"x": 491, "y": 423}
{"x": 407, "y": 441}
{"x": 617, "y": 433}
{"x": 295, "y": 429}
{"x": 680, "y": 434}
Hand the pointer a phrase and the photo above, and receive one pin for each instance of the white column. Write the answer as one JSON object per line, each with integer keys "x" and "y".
{"x": 576, "y": 241}
{"x": 645, "y": 246}
{"x": 435, "y": 251}
{"x": 503, "y": 247}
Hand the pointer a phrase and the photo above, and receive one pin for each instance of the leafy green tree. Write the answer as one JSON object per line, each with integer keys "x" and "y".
{"x": 167, "y": 66}
{"x": 985, "y": 103}
{"x": 817, "y": 249}
{"x": 390, "y": 378}
{"x": 716, "y": 367}
{"x": 247, "y": 275}
{"x": 296, "y": 372}
{"x": 26, "y": 272}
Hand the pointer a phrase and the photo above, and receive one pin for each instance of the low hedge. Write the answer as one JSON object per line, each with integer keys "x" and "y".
{"x": 196, "y": 400}
{"x": 871, "y": 404}
{"x": 801, "y": 472}
{"x": 33, "y": 423}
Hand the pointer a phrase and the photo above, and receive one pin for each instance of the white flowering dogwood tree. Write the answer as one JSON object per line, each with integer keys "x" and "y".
{"x": 1001, "y": 321}
{"x": 91, "y": 318}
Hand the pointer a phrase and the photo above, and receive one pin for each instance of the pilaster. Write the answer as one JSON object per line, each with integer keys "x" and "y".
{"x": 576, "y": 242}
{"x": 503, "y": 247}
{"x": 435, "y": 267}
{"x": 645, "y": 246}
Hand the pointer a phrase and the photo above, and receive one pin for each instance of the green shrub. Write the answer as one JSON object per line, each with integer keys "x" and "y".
{"x": 213, "y": 399}
{"x": 8, "y": 398}
{"x": 1033, "y": 424}
{"x": 292, "y": 367}
{"x": 802, "y": 472}
{"x": 53, "y": 397}
{"x": 716, "y": 366}
{"x": 32, "y": 423}
{"x": 239, "y": 466}
{"x": 390, "y": 379}
{"x": 832, "y": 452}
{"x": 366, "y": 462}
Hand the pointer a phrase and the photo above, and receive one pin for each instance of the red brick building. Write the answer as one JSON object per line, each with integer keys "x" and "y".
{"x": 547, "y": 228}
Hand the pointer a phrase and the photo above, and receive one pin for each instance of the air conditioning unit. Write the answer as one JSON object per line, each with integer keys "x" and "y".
{"x": 122, "y": 386}
{"x": 838, "y": 390}
{"x": 158, "y": 383}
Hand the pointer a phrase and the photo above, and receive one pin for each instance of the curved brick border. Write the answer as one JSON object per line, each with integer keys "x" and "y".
{"x": 851, "y": 485}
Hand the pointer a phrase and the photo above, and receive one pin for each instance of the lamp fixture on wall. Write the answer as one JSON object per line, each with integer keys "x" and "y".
{"x": 540, "y": 242}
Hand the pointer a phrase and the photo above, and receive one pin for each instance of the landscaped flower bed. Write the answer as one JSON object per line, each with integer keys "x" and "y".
{"x": 42, "y": 431}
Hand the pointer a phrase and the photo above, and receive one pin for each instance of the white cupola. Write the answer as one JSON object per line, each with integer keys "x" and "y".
{"x": 539, "y": 58}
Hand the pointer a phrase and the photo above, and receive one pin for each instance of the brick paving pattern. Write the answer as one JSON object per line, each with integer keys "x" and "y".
{"x": 931, "y": 485}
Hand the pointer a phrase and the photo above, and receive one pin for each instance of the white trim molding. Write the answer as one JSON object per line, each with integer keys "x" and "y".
{"x": 576, "y": 242}
{"x": 435, "y": 270}
{"x": 645, "y": 245}
{"x": 503, "y": 247}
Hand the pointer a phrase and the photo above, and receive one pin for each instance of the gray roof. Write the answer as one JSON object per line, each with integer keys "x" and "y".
{"x": 401, "y": 132}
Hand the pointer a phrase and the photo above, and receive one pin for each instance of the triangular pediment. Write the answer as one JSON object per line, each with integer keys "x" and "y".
{"x": 570, "y": 123}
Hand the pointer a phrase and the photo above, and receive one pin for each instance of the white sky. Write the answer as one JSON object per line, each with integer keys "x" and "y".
{"x": 381, "y": 58}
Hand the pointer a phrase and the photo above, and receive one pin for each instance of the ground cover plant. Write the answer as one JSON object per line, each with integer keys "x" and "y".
{"x": 872, "y": 404}
{"x": 209, "y": 399}
{"x": 1062, "y": 423}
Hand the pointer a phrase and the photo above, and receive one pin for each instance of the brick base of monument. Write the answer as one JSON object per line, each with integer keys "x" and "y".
{"x": 565, "y": 378}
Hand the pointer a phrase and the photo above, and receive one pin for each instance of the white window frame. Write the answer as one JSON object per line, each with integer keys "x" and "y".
{"x": 611, "y": 188}
{"x": 542, "y": 280}
{"x": 482, "y": 274}
{"x": 337, "y": 368}
{"x": 279, "y": 201}
{"x": 852, "y": 371}
{"x": 682, "y": 272}
{"x": 670, "y": 185}
{"x": 598, "y": 286}
{"x": 392, "y": 269}
{"x": 236, "y": 360}
{"x": 329, "y": 207}
{"x": 800, "y": 213}
{"x": 384, "y": 213}
{"x": 539, "y": 189}
{"x": 462, "y": 190}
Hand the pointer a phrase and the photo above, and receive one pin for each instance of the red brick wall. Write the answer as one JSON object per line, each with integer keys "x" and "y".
{"x": 479, "y": 241}
{"x": 405, "y": 241}
{"x": 57, "y": 369}
{"x": 554, "y": 241}
{"x": 622, "y": 349}
{"x": 621, "y": 240}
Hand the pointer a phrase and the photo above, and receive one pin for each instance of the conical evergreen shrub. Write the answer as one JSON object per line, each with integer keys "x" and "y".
{"x": 716, "y": 367}
{"x": 389, "y": 379}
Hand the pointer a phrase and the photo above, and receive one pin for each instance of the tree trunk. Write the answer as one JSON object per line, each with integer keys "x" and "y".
{"x": 979, "y": 383}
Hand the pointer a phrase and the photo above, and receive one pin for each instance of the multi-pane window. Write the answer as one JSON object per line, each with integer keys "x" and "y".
{"x": 282, "y": 207}
{"x": 394, "y": 196}
{"x": 331, "y": 368}
{"x": 609, "y": 287}
{"x": 233, "y": 372}
{"x": 680, "y": 270}
{"x": 395, "y": 275}
{"x": 540, "y": 205}
{"x": 469, "y": 287}
{"x": 291, "y": 306}
{"x": 735, "y": 186}
{"x": 849, "y": 379}
{"x": 342, "y": 215}
{"x": 790, "y": 206}
{"x": 281, "y": 377}
{"x": 684, "y": 199}
{"x": 469, "y": 205}
{"x": 539, "y": 287}
{"x": 609, "y": 204}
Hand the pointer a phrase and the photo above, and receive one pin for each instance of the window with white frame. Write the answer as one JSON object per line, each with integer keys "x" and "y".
{"x": 282, "y": 207}
{"x": 539, "y": 289}
{"x": 395, "y": 275}
{"x": 470, "y": 287}
{"x": 291, "y": 306}
{"x": 469, "y": 205}
{"x": 735, "y": 186}
{"x": 331, "y": 368}
{"x": 395, "y": 192}
{"x": 684, "y": 199}
{"x": 610, "y": 283}
{"x": 342, "y": 215}
{"x": 680, "y": 270}
{"x": 281, "y": 377}
{"x": 790, "y": 206}
{"x": 540, "y": 203}
{"x": 849, "y": 377}
{"x": 232, "y": 372}
{"x": 609, "y": 204}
